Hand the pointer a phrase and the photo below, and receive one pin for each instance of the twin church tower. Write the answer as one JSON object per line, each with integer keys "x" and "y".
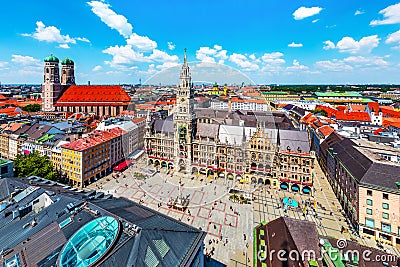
{"x": 52, "y": 87}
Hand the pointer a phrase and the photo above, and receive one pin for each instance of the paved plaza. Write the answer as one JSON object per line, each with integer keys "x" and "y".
{"x": 229, "y": 225}
{"x": 226, "y": 223}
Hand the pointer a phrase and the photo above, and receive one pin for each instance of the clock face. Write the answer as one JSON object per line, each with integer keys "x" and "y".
{"x": 182, "y": 100}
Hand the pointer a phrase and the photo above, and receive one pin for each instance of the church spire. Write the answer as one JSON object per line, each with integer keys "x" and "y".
{"x": 184, "y": 56}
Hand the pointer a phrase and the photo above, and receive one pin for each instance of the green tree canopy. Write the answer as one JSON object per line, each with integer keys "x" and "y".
{"x": 35, "y": 164}
{"x": 320, "y": 111}
{"x": 32, "y": 108}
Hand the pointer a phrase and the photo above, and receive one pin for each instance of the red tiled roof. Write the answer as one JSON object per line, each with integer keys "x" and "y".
{"x": 326, "y": 130}
{"x": 95, "y": 138}
{"x": 138, "y": 120}
{"x": 386, "y": 122}
{"x": 376, "y": 132}
{"x": 395, "y": 124}
{"x": 373, "y": 106}
{"x": 357, "y": 107}
{"x": 12, "y": 111}
{"x": 390, "y": 112}
{"x": 308, "y": 118}
{"x": 352, "y": 116}
{"x": 94, "y": 95}
{"x": 2, "y": 97}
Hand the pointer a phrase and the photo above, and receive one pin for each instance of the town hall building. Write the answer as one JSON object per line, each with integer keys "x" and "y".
{"x": 244, "y": 146}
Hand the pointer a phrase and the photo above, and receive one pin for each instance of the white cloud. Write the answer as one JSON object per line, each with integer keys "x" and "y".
{"x": 329, "y": 45}
{"x": 293, "y": 44}
{"x": 3, "y": 64}
{"x": 391, "y": 15}
{"x": 273, "y": 58}
{"x": 137, "y": 48}
{"x": 124, "y": 54}
{"x": 25, "y": 60}
{"x": 315, "y": 21}
{"x": 83, "y": 39}
{"x": 252, "y": 57}
{"x": 161, "y": 56}
{"x": 110, "y": 18}
{"x": 141, "y": 43}
{"x": 97, "y": 68}
{"x": 365, "y": 45}
{"x": 297, "y": 66}
{"x": 243, "y": 62}
{"x": 366, "y": 61}
{"x": 171, "y": 46}
{"x": 358, "y": 12}
{"x": 393, "y": 38}
{"x": 167, "y": 65}
{"x": 333, "y": 65}
{"x": 65, "y": 46}
{"x": 51, "y": 34}
{"x": 210, "y": 55}
{"x": 305, "y": 12}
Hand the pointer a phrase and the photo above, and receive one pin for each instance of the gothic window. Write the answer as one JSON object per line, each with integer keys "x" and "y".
{"x": 47, "y": 70}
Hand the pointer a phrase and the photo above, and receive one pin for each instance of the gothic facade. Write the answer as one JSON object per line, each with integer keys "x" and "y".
{"x": 237, "y": 146}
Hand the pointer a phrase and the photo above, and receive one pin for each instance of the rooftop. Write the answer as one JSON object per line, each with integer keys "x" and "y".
{"x": 84, "y": 229}
{"x": 94, "y": 95}
{"x": 95, "y": 138}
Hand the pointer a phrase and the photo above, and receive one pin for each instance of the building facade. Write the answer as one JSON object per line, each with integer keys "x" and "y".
{"x": 85, "y": 160}
{"x": 62, "y": 95}
{"x": 236, "y": 145}
{"x": 367, "y": 187}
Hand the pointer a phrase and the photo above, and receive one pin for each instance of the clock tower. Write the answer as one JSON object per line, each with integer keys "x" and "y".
{"x": 184, "y": 121}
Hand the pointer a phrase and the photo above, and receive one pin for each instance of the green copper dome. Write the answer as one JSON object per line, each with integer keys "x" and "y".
{"x": 67, "y": 61}
{"x": 51, "y": 58}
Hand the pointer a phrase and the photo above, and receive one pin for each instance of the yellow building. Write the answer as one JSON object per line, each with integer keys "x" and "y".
{"x": 85, "y": 160}
{"x": 217, "y": 91}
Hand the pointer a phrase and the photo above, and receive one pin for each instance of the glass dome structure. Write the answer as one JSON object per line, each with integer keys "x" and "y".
{"x": 88, "y": 245}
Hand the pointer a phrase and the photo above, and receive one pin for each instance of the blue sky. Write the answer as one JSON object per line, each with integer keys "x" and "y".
{"x": 284, "y": 42}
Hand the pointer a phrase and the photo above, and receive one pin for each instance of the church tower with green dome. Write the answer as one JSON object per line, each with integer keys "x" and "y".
{"x": 51, "y": 87}
{"x": 67, "y": 72}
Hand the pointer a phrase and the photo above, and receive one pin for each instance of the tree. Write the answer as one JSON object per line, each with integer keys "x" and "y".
{"x": 320, "y": 111}
{"x": 35, "y": 164}
{"x": 32, "y": 108}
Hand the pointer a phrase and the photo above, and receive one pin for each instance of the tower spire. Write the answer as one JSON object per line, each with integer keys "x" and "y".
{"x": 184, "y": 56}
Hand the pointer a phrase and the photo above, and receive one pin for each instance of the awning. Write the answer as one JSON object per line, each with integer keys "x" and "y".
{"x": 306, "y": 190}
{"x": 122, "y": 165}
{"x": 295, "y": 187}
{"x": 284, "y": 186}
